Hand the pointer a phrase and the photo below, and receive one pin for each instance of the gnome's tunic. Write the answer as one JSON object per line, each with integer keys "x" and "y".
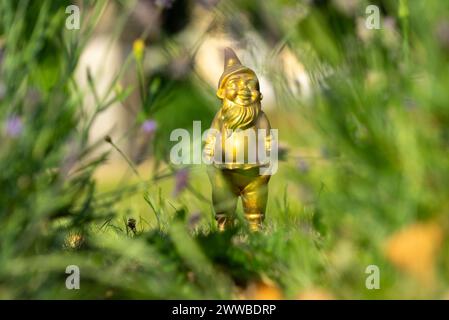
{"x": 236, "y": 167}
{"x": 239, "y": 149}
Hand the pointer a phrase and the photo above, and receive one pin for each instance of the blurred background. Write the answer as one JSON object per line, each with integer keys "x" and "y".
{"x": 85, "y": 177}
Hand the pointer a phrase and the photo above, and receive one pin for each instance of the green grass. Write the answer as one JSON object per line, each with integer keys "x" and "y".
{"x": 365, "y": 162}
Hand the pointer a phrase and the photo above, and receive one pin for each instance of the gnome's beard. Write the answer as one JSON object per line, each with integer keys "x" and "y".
{"x": 236, "y": 116}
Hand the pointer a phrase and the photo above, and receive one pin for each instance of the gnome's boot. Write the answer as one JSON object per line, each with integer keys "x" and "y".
{"x": 254, "y": 221}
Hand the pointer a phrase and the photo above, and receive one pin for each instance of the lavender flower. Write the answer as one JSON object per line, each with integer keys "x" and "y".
{"x": 149, "y": 126}
{"x": 14, "y": 126}
{"x": 164, "y": 3}
{"x": 303, "y": 166}
{"x": 182, "y": 179}
{"x": 194, "y": 220}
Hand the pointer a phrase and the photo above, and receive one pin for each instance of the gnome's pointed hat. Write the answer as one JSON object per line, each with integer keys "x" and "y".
{"x": 232, "y": 65}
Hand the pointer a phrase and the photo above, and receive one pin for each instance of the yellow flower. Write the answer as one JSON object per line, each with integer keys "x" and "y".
{"x": 414, "y": 250}
{"x": 138, "y": 49}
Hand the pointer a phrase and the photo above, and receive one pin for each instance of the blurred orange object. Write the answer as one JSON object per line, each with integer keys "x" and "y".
{"x": 315, "y": 294}
{"x": 263, "y": 291}
{"x": 414, "y": 250}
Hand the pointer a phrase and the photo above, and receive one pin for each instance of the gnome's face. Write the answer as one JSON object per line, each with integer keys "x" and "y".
{"x": 238, "y": 84}
{"x": 239, "y": 88}
{"x": 242, "y": 88}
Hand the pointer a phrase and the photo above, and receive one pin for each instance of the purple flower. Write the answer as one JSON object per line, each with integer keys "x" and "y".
{"x": 149, "y": 126}
{"x": 194, "y": 219}
{"x": 182, "y": 179}
{"x": 14, "y": 126}
{"x": 303, "y": 166}
{"x": 164, "y": 3}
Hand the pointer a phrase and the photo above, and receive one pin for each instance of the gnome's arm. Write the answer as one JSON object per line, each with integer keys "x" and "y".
{"x": 264, "y": 123}
{"x": 215, "y": 128}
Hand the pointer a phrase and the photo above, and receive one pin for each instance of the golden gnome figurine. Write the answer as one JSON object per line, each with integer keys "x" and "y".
{"x": 238, "y": 146}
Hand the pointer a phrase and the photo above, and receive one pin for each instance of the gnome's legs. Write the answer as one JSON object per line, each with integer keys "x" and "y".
{"x": 224, "y": 199}
{"x": 254, "y": 199}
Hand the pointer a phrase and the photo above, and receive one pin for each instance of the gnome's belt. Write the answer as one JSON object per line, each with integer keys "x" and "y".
{"x": 250, "y": 170}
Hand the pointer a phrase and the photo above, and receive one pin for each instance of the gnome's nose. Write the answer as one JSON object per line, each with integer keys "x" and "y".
{"x": 244, "y": 92}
